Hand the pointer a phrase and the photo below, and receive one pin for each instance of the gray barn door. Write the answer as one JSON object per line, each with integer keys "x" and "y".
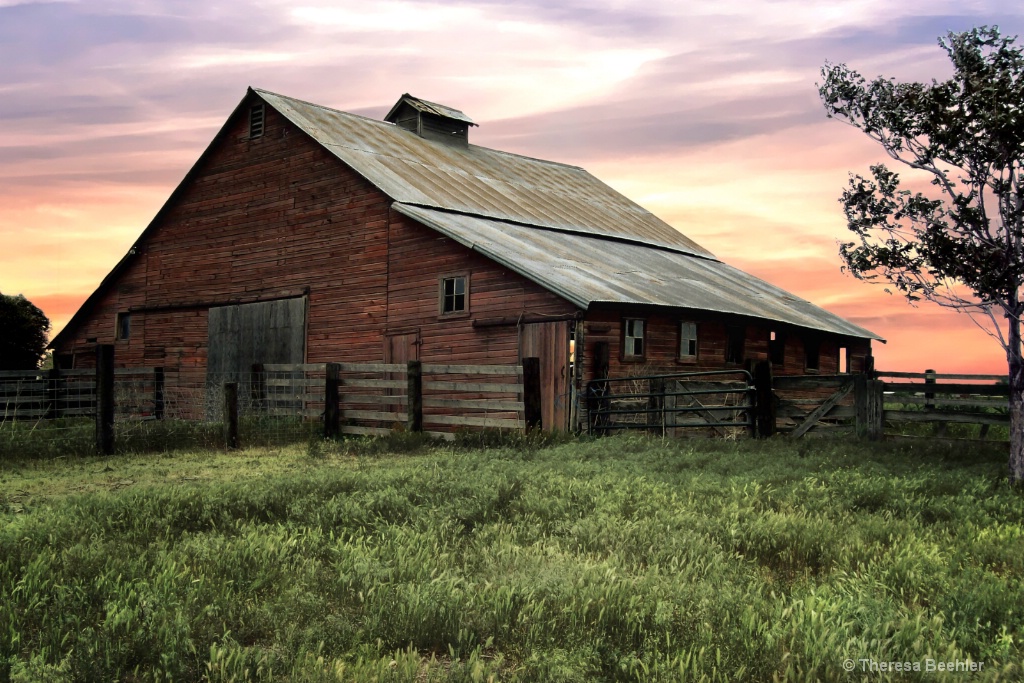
{"x": 265, "y": 332}
{"x": 550, "y": 343}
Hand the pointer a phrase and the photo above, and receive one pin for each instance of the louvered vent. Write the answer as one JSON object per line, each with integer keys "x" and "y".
{"x": 430, "y": 120}
{"x": 256, "y": 121}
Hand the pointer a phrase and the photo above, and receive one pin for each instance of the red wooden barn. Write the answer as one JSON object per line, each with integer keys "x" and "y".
{"x": 306, "y": 234}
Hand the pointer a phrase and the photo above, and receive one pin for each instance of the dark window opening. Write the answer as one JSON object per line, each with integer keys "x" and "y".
{"x": 453, "y": 294}
{"x": 688, "y": 341}
{"x": 633, "y": 338}
{"x": 812, "y": 354}
{"x": 124, "y": 325}
{"x": 256, "y": 120}
{"x": 736, "y": 336}
{"x": 777, "y": 348}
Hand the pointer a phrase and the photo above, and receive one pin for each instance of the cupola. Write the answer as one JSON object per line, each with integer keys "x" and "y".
{"x": 430, "y": 121}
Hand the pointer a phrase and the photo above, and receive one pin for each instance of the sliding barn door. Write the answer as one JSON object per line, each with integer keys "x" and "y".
{"x": 266, "y": 332}
{"x": 550, "y": 343}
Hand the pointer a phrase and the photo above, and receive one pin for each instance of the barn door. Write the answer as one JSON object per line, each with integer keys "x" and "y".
{"x": 550, "y": 343}
{"x": 266, "y": 332}
{"x": 401, "y": 348}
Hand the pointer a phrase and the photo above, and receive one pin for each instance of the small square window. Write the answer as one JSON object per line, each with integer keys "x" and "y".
{"x": 688, "y": 341}
{"x": 633, "y": 339}
{"x": 124, "y": 325}
{"x": 736, "y": 337}
{"x": 454, "y": 297}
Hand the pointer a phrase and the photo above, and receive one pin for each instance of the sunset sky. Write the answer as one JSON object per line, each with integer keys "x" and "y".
{"x": 706, "y": 113}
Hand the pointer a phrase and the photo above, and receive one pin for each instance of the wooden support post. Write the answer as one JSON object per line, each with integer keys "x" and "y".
{"x": 414, "y": 370}
{"x": 158, "y": 393}
{"x": 656, "y": 406}
{"x": 231, "y": 415}
{"x": 764, "y": 397}
{"x": 929, "y": 389}
{"x": 332, "y": 412}
{"x": 869, "y": 407}
{"x": 532, "y": 394}
{"x": 105, "y": 399}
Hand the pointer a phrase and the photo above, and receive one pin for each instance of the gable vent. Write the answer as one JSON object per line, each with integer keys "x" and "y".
{"x": 256, "y": 121}
{"x": 430, "y": 121}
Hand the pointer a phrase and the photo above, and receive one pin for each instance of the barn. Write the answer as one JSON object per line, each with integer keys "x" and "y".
{"x": 307, "y": 234}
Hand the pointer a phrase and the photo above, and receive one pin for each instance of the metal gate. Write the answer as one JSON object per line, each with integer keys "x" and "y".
{"x": 719, "y": 401}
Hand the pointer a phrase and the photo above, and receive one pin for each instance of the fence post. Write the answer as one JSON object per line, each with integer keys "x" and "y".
{"x": 158, "y": 393}
{"x": 332, "y": 413}
{"x": 764, "y": 408}
{"x": 231, "y": 415}
{"x": 105, "y": 399}
{"x": 929, "y": 389}
{"x": 656, "y": 405}
{"x": 414, "y": 374}
{"x": 869, "y": 397}
{"x": 531, "y": 394}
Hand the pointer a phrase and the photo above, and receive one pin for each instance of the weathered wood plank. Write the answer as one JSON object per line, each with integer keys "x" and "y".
{"x": 294, "y": 382}
{"x": 483, "y": 404}
{"x": 364, "y": 398}
{"x": 474, "y": 421}
{"x": 373, "y": 367}
{"x": 978, "y": 389}
{"x": 368, "y": 383}
{"x": 294, "y": 367}
{"x": 945, "y": 416}
{"x": 472, "y": 386}
{"x": 434, "y": 369}
{"x": 372, "y": 415}
{"x": 784, "y": 382}
{"x": 967, "y": 402}
{"x": 937, "y": 375}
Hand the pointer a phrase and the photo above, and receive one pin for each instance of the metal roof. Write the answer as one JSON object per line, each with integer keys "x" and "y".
{"x": 477, "y": 180}
{"x": 587, "y": 270}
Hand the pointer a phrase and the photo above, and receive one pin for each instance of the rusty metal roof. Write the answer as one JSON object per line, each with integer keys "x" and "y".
{"x": 477, "y": 180}
{"x": 588, "y": 270}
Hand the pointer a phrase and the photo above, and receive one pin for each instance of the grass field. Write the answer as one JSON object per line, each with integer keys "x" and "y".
{"x": 617, "y": 559}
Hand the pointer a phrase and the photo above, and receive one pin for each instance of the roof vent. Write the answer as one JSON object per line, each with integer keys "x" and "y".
{"x": 430, "y": 121}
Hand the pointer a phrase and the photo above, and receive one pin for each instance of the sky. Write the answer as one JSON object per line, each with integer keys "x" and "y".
{"x": 705, "y": 113}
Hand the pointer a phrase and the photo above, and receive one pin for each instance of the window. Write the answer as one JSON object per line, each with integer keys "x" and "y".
{"x": 124, "y": 326}
{"x": 776, "y": 348}
{"x": 633, "y": 338}
{"x": 256, "y": 119}
{"x": 688, "y": 341}
{"x": 812, "y": 354}
{"x": 735, "y": 339}
{"x": 454, "y": 295}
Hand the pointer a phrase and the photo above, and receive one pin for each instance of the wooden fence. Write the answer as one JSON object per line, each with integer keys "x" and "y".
{"x": 375, "y": 398}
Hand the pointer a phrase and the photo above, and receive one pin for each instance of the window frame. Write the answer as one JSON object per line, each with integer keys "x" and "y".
{"x": 731, "y": 345}
{"x": 123, "y": 326}
{"x": 695, "y": 356}
{"x": 778, "y": 344}
{"x": 623, "y": 337}
{"x": 812, "y": 344}
{"x": 441, "y": 296}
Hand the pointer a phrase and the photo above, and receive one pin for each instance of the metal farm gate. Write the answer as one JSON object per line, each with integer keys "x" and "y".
{"x": 717, "y": 402}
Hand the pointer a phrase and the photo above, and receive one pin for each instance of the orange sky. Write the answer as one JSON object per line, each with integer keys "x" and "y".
{"x": 708, "y": 117}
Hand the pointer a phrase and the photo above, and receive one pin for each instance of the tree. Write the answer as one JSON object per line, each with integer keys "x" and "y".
{"x": 23, "y": 333}
{"x": 960, "y": 243}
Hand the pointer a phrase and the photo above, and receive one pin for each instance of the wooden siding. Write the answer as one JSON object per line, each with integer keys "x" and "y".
{"x": 278, "y": 217}
{"x": 661, "y": 338}
{"x": 419, "y": 257}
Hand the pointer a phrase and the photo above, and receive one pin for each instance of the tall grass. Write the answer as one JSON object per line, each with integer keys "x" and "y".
{"x": 618, "y": 559}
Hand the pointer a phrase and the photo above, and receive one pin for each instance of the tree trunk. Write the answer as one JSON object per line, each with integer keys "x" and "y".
{"x": 1016, "y": 363}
